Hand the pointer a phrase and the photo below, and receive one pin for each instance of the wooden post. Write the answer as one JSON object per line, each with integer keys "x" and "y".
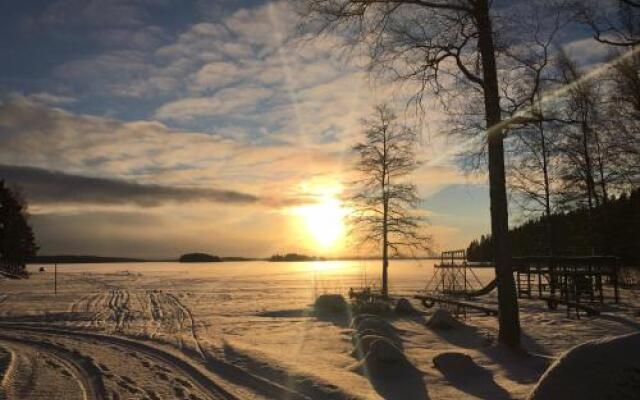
{"x": 539, "y": 280}
{"x": 55, "y": 278}
{"x": 599, "y": 287}
{"x": 591, "y": 274}
{"x": 616, "y": 292}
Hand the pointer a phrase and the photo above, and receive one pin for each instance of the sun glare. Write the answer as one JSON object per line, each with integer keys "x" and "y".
{"x": 324, "y": 222}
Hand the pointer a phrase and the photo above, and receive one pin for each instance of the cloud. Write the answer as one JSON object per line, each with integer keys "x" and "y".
{"x": 153, "y": 233}
{"x": 52, "y": 99}
{"x": 149, "y": 152}
{"x": 44, "y": 187}
{"x": 217, "y": 74}
{"x": 587, "y": 51}
{"x": 43, "y": 136}
{"x": 122, "y": 73}
{"x": 237, "y": 100}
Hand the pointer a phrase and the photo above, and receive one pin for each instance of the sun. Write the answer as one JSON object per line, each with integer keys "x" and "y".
{"x": 324, "y": 221}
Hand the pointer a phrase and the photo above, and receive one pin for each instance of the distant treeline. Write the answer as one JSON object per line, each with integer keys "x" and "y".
{"x": 294, "y": 257}
{"x": 71, "y": 259}
{"x": 86, "y": 259}
{"x": 613, "y": 228}
{"x": 199, "y": 257}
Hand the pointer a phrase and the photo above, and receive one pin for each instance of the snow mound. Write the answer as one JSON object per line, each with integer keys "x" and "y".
{"x": 330, "y": 304}
{"x": 383, "y": 359}
{"x": 356, "y": 319}
{"x": 377, "y": 326}
{"x": 384, "y": 351}
{"x": 374, "y": 307}
{"x": 395, "y": 339}
{"x": 404, "y": 307}
{"x": 442, "y": 319}
{"x": 606, "y": 368}
{"x": 459, "y": 364}
{"x": 362, "y": 344}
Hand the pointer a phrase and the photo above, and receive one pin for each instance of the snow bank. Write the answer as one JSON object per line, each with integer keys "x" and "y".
{"x": 383, "y": 358}
{"x": 606, "y": 368}
{"x": 330, "y": 303}
{"x": 363, "y": 343}
{"x": 442, "y": 319}
{"x": 378, "y": 347}
{"x": 377, "y": 325}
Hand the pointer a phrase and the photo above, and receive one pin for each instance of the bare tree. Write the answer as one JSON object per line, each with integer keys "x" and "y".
{"x": 588, "y": 170}
{"x": 439, "y": 44}
{"x": 385, "y": 204}
{"x": 623, "y": 120}
{"x": 616, "y": 26}
{"x": 532, "y": 152}
{"x": 533, "y": 175}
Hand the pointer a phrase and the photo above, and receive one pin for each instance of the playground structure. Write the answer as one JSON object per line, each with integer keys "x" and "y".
{"x": 454, "y": 276}
{"x": 579, "y": 283}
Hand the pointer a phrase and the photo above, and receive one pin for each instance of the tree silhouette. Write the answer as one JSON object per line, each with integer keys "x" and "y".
{"x": 433, "y": 42}
{"x": 620, "y": 28}
{"x": 573, "y": 236}
{"x": 17, "y": 242}
{"x": 385, "y": 204}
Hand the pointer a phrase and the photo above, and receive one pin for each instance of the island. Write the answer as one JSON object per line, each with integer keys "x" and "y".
{"x": 199, "y": 257}
{"x": 79, "y": 259}
{"x": 289, "y": 257}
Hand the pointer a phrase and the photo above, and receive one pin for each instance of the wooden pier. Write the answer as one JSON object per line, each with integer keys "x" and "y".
{"x": 577, "y": 282}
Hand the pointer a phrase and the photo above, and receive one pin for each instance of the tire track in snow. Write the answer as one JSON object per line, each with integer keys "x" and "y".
{"x": 87, "y": 375}
{"x": 199, "y": 379}
{"x": 187, "y": 311}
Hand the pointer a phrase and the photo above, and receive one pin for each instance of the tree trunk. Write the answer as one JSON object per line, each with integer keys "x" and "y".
{"x": 508, "y": 318}
{"x": 385, "y": 268}
{"x": 385, "y": 216}
{"x": 604, "y": 222}
{"x": 385, "y": 246}
{"x": 589, "y": 181}
{"x": 551, "y": 237}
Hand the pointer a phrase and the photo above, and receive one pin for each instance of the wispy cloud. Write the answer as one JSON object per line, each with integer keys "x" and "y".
{"x": 238, "y": 100}
{"x": 52, "y": 99}
{"x": 54, "y": 187}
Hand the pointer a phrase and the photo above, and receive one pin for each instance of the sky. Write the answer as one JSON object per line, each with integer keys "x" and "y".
{"x": 152, "y": 128}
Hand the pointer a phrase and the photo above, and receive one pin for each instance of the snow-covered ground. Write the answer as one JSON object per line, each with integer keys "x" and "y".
{"x": 246, "y": 330}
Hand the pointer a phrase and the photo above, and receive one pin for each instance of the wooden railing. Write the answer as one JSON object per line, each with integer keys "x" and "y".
{"x": 450, "y": 257}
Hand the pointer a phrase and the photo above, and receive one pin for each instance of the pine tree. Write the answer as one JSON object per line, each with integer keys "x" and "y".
{"x": 17, "y": 241}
